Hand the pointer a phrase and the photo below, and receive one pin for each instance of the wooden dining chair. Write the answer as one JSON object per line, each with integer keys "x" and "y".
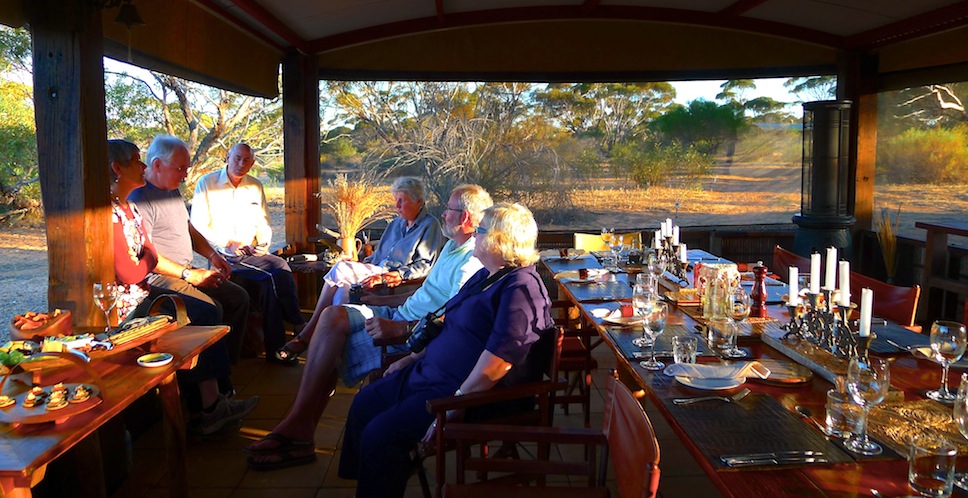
{"x": 784, "y": 259}
{"x": 525, "y": 396}
{"x": 594, "y": 242}
{"x": 626, "y": 438}
{"x": 895, "y": 303}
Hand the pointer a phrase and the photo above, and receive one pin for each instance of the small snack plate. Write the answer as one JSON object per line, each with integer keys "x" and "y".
{"x": 155, "y": 359}
{"x": 618, "y": 319}
{"x": 709, "y": 384}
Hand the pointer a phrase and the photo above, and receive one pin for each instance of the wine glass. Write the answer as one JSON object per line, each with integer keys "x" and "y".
{"x": 607, "y": 234}
{"x": 106, "y": 297}
{"x": 616, "y": 243}
{"x": 738, "y": 310}
{"x": 868, "y": 380}
{"x": 642, "y": 300}
{"x": 948, "y": 340}
{"x": 961, "y": 420}
{"x": 655, "y": 321}
{"x": 657, "y": 266}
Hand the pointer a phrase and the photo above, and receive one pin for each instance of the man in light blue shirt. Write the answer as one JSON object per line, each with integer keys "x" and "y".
{"x": 346, "y": 332}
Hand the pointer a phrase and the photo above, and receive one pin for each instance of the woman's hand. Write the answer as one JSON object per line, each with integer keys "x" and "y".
{"x": 392, "y": 279}
{"x": 399, "y": 365}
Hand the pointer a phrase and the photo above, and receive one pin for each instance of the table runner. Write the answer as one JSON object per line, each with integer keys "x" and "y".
{"x": 557, "y": 264}
{"x": 622, "y": 338}
{"x": 893, "y": 424}
{"x": 755, "y": 424}
{"x": 900, "y": 335}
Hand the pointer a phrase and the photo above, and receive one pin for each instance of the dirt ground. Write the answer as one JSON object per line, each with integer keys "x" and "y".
{"x": 743, "y": 194}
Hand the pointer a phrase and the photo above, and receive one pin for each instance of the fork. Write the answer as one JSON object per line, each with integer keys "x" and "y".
{"x": 729, "y": 399}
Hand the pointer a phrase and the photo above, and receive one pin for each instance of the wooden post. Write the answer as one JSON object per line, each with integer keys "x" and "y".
{"x": 72, "y": 152}
{"x": 300, "y": 107}
{"x": 857, "y": 82}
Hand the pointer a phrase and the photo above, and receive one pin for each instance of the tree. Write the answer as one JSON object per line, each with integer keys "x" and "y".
{"x": 702, "y": 124}
{"x": 811, "y": 88}
{"x": 19, "y": 188}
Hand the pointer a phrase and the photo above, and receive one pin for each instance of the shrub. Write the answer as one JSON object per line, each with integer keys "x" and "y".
{"x": 936, "y": 156}
{"x": 655, "y": 164}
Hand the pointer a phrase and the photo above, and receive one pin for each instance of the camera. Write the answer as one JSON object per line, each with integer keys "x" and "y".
{"x": 356, "y": 294}
{"x": 427, "y": 329}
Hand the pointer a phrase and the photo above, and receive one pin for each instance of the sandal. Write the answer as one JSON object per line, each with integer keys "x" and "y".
{"x": 285, "y": 444}
{"x": 291, "y": 350}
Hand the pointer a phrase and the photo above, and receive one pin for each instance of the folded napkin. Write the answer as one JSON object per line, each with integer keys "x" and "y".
{"x": 593, "y": 274}
{"x": 740, "y": 370}
{"x": 555, "y": 253}
{"x": 675, "y": 280}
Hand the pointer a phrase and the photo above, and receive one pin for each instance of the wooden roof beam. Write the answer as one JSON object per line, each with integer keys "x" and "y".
{"x": 741, "y": 7}
{"x": 264, "y": 18}
{"x": 945, "y": 18}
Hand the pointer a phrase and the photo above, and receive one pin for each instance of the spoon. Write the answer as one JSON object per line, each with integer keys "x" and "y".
{"x": 807, "y": 414}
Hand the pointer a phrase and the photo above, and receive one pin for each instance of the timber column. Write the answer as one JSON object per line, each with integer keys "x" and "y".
{"x": 72, "y": 151}
{"x": 300, "y": 114}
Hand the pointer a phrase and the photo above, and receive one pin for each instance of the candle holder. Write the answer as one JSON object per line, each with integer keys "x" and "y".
{"x": 820, "y": 324}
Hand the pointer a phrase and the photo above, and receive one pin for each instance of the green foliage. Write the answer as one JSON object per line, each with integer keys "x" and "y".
{"x": 810, "y": 88}
{"x": 936, "y": 155}
{"x": 654, "y": 164}
{"x": 14, "y": 49}
{"x": 770, "y": 145}
{"x": 18, "y": 147}
{"x": 703, "y": 125}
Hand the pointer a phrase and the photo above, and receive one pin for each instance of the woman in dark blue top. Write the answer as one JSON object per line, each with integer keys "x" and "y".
{"x": 489, "y": 327}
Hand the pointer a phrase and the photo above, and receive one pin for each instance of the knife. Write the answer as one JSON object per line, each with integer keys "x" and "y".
{"x": 777, "y": 461}
{"x": 770, "y": 455}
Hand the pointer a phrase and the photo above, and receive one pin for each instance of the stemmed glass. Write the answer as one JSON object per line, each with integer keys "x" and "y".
{"x": 655, "y": 321}
{"x": 643, "y": 298}
{"x": 961, "y": 420}
{"x": 607, "y": 235}
{"x": 657, "y": 265}
{"x": 868, "y": 380}
{"x": 738, "y": 310}
{"x": 615, "y": 243}
{"x": 106, "y": 297}
{"x": 948, "y": 340}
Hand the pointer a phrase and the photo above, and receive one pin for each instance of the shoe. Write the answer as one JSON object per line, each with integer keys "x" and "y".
{"x": 225, "y": 411}
{"x": 290, "y": 352}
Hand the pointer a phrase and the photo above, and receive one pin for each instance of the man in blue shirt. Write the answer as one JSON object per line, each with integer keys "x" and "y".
{"x": 346, "y": 332}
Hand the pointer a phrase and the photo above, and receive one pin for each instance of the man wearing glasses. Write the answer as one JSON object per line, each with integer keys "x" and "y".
{"x": 344, "y": 338}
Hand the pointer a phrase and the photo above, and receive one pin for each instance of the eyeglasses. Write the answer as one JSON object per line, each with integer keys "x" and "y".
{"x": 448, "y": 208}
{"x": 480, "y": 230}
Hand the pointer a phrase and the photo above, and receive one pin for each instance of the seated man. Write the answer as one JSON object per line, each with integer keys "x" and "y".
{"x": 229, "y": 210}
{"x": 348, "y": 330}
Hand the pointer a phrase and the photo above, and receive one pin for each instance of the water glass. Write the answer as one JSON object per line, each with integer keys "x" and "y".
{"x": 720, "y": 334}
{"x": 948, "y": 341}
{"x": 841, "y": 414}
{"x": 931, "y": 466}
{"x": 684, "y": 349}
{"x": 868, "y": 380}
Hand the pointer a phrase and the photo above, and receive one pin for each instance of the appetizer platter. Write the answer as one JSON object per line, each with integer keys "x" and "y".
{"x": 51, "y": 403}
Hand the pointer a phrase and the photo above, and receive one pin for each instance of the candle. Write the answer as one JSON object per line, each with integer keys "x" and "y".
{"x": 866, "y": 305}
{"x": 845, "y": 284}
{"x": 815, "y": 273}
{"x": 675, "y": 235}
{"x": 668, "y": 228}
{"x": 683, "y": 253}
{"x": 794, "y": 286}
{"x": 657, "y": 242}
{"x": 830, "y": 272}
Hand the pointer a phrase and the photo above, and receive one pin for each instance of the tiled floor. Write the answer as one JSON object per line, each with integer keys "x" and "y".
{"x": 217, "y": 468}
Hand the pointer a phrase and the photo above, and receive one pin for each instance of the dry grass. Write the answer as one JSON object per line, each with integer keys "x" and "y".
{"x": 355, "y": 204}
{"x": 886, "y": 227}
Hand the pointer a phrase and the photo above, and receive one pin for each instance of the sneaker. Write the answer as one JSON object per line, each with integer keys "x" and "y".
{"x": 226, "y": 411}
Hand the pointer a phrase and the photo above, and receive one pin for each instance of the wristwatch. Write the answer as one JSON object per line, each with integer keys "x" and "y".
{"x": 187, "y": 272}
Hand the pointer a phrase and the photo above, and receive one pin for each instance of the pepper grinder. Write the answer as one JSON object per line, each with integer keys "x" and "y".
{"x": 758, "y": 293}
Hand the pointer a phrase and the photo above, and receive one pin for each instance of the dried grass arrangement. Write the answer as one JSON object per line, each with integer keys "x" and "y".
{"x": 355, "y": 205}
{"x": 886, "y": 227}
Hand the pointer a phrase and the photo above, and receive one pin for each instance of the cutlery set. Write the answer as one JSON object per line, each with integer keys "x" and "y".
{"x": 729, "y": 399}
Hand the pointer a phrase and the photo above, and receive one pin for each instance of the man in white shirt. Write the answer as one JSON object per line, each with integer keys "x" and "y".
{"x": 343, "y": 341}
{"x": 229, "y": 210}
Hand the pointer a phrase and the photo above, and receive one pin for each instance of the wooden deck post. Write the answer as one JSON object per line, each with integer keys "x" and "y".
{"x": 300, "y": 107}
{"x": 72, "y": 149}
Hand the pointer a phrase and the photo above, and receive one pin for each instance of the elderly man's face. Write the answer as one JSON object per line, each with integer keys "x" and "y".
{"x": 452, "y": 216}
{"x": 240, "y": 162}
{"x": 171, "y": 173}
{"x": 406, "y": 207}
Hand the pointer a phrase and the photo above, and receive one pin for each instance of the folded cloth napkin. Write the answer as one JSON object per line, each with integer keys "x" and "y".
{"x": 675, "y": 280}
{"x": 593, "y": 274}
{"x": 740, "y": 370}
{"x": 556, "y": 253}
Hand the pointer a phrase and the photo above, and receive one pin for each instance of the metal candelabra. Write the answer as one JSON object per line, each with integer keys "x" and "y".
{"x": 818, "y": 323}
{"x": 671, "y": 252}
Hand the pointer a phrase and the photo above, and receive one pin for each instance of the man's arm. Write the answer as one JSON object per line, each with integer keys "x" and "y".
{"x": 197, "y": 276}
{"x": 201, "y": 246}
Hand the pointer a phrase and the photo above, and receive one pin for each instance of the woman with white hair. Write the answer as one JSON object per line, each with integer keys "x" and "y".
{"x": 407, "y": 250}
{"x": 489, "y": 327}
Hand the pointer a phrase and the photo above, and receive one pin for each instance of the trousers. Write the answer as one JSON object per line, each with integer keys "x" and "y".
{"x": 269, "y": 283}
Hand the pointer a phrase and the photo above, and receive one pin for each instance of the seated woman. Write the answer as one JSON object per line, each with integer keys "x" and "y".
{"x": 489, "y": 327}
{"x": 134, "y": 258}
{"x": 408, "y": 249}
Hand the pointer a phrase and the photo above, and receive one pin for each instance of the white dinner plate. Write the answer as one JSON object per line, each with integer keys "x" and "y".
{"x": 622, "y": 320}
{"x": 154, "y": 359}
{"x": 709, "y": 384}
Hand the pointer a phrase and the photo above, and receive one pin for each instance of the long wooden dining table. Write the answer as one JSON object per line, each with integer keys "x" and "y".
{"x": 26, "y": 449}
{"x": 766, "y": 419}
